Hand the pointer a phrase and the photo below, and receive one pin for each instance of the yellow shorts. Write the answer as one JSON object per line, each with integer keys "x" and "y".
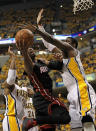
{"x": 10, "y": 123}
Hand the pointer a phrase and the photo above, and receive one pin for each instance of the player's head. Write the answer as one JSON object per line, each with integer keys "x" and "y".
{"x": 31, "y": 54}
{"x": 73, "y": 42}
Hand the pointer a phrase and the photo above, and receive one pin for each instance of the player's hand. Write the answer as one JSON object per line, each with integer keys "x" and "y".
{"x": 58, "y": 56}
{"x": 39, "y": 16}
{"x": 10, "y": 52}
{"x": 33, "y": 28}
{"x": 43, "y": 60}
{"x": 30, "y": 92}
{"x": 22, "y": 47}
{"x": 29, "y": 26}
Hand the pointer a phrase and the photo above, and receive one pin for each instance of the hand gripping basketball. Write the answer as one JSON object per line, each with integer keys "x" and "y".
{"x": 24, "y": 39}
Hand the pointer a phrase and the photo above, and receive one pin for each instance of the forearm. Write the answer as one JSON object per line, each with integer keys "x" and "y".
{"x": 49, "y": 38}
{"x": 28, "y": 64}
{"x": 12, "y": 64}
{"x": 55, "y": 65}
{"x": 46, "y": 36}
{"x": 48, "y": 45}
{"x": 12, "y": 71}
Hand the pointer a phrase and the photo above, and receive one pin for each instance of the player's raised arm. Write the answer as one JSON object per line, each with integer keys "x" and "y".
{"x": 48, "y": 45}
{"x": 10, "y": 81}
{"x": 24, "y": 38}
{"x": 12, "y": 56}
{"x": 64, "y": 46}
{"x": 12, "y": 70}
{"x": 40, "y": 16}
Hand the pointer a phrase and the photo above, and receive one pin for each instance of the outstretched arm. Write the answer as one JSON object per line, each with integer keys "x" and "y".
{"x": 9, "y": 83}
{"x": 12, "y": 70}
{"x": 49, "y": 46}
{"x": 64, "y": 46}
{"x": 55, "y": 64}
{"x": 51, "y": 39}
{"x": 28, "y": 63}
{"x": 47, "y": 36}
{"x": 12, "y": 56}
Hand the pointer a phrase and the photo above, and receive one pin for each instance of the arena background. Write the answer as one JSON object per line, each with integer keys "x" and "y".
{"x": 60, "y": 21}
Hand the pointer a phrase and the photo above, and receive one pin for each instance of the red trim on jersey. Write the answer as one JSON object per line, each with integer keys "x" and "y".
{"x": 39, "y": 87}
{"x": 46, "y": 126}
{"x": 45, "y": 92}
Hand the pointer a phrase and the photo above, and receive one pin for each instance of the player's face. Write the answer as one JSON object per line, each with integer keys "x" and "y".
{"x": 31, "y": 53}
{"x": 68, "y": 40}
{"x": 58, "y": 56}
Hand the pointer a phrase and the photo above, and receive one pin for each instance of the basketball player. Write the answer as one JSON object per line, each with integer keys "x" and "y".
{"x": 10, "y": 121}
{"x": 29, "y": 111}
{"x": 45, "y": 104}
{"x": 81, "y": 95}
{"x": 14, "y": 100}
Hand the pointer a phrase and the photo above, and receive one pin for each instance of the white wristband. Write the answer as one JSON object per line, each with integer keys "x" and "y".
{"x": 49, "y": 46}
{"x": 11, "y": 77}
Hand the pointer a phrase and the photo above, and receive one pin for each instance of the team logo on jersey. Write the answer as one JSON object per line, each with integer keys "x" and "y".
{"x": 22, "y": 93}
{"x": 43, "y": 69}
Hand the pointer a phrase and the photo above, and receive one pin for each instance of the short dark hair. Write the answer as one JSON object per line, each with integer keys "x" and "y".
{"x": 73, "y": 40}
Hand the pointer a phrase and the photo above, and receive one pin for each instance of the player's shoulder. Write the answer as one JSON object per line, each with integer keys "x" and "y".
{"x": 77, "y": 53}
{"x": 17, "y": 87}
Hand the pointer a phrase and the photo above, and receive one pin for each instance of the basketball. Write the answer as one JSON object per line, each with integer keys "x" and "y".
{"x": 24, "y": 37}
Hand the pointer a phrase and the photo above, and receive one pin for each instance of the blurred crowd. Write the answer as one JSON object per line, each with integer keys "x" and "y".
{"x": 89, "y": 61}
{"x": 68, "y": 22}
{"x": 11, "y": 19}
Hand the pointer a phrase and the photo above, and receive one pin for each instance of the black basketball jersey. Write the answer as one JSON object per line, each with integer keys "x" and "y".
{"x": 42, "y": 83}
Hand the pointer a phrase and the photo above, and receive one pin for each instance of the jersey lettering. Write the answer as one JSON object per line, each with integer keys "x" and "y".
{"x": 43, "y": 69}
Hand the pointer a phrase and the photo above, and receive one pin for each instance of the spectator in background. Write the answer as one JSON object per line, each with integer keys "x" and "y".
{"x": 15, "y": 100}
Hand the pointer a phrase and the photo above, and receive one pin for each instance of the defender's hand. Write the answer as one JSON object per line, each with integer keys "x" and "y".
{"x": 10, "y": 52}
{"x": 39, "y": 16}
{"x": 58, "y": 56}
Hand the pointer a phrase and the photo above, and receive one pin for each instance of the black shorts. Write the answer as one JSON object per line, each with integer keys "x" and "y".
{"x": 40, "y": 103}
{"x": 59, "y": 114}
